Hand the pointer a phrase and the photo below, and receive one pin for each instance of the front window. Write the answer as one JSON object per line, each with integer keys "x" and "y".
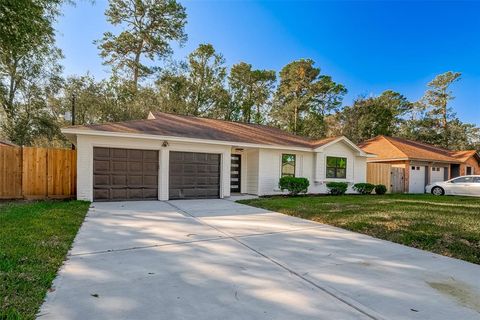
{"x": 336, "y": 167}
{"x": 288, "y": 165}
{"x": 469, "y": 171}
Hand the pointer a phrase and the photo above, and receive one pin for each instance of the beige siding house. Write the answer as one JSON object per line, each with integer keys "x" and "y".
{"x": 170, "y": 156}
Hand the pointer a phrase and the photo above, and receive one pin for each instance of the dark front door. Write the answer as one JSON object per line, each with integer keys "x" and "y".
{"x": 124, "y": 174}
{"x": 455, "y": 170}
{"x": 194, "y": 175}
{"x": 235, "y": 173}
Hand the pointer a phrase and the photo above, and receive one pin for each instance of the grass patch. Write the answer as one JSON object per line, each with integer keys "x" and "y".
{"x": 34, "y": 240}
{"x": 445, "y": 225}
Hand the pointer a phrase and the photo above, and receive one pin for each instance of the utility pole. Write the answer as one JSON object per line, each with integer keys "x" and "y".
{"x": 73, "y": 115}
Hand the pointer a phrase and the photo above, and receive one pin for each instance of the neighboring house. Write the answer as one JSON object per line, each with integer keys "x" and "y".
{"x": 170, "y": 156}
{"x": 4, "y": 143}
{"x": 422, "y": 163}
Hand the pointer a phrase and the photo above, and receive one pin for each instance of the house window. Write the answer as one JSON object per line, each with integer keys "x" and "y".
{"x": 288, "y": 165}
{"x": 469, "y": 171}
{"x": 336, "y": 167}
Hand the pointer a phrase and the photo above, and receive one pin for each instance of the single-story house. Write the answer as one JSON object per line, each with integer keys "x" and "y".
{"x": 169, "y": 156}
{"x": 422, "y": 163}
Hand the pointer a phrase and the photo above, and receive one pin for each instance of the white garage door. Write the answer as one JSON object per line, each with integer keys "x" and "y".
{"x": 437, "y": 174}
{"x": 417, "y": 179}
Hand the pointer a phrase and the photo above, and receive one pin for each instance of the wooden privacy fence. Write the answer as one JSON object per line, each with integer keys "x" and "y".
{"x": 37, "y": 173}
{"x": 383, "y": 173}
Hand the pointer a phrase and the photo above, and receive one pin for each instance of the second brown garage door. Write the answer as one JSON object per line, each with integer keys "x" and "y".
{"x": 194, "y": 175}
{"x": 124, "y": 174}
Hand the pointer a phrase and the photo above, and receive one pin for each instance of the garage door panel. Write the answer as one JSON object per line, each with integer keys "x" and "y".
{"x": 119, "y": 181}
{"x": 150, "y": 167}
{"x": 101, "y": 152}
{"x": 194, "y": 175}
{"x": 135, "y": 155}
{"x": 150, "y": 155}
{"x": 135, "y": 166}
{"x": 118, "y": 194}
{"x": 213, "y": 169}
{"x": 118, "y": 153}
{"x": 189, "y": 169}
{"x": 101, "y": 180}
{"x": 150, "y": 193}
{"x": 135, "y": 181}
{"x": 101, "y": 194}
{"x": 101, "y": 166}
{"x": 119, "y": 165}
{"x": 150, "y": 181}
{"x": 124, "y": 174}
{"x": 135, "y": 193}
{"x": 212, "y": 193}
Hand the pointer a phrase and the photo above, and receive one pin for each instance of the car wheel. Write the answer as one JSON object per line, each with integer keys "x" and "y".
{"x": 438, "y": 191}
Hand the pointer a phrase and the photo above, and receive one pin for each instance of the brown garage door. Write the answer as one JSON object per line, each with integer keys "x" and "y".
{"x": 194, "y": 175}
{"x": 124, "y": 174}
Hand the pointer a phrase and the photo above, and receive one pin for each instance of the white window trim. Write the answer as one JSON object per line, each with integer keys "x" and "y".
{"x": 346, "y": 169}
{"x": 281, "y": 165}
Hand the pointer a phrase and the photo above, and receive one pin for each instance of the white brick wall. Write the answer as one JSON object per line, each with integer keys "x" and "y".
{"x": 310, "y": 165}
{"x": 85, "y": 146}
{"x": 260, "y": 167}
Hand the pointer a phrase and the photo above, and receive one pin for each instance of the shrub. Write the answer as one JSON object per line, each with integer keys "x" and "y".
{"x": 380, "y": 189}
{"x": 294, "y": 185}
{"x": 364, "y": 188}
{"x": 337, "y": 188}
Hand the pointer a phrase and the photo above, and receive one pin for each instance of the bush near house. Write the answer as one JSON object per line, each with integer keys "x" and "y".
{"x": 337, "y": 188}
{"x": 380, "y": 189}
{"x": 294, "y": 185}
{"x": 364, "y": 188}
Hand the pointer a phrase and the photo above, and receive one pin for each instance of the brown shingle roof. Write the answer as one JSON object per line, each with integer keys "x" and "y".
{"x": 7, "y": 143}
{"x": 465, "y": 155}
{"x": 398, "y": 148}
{"x": 167, "y": 124}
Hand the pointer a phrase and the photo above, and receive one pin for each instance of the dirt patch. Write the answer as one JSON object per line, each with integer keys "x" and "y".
{"x": 461, "y": 292}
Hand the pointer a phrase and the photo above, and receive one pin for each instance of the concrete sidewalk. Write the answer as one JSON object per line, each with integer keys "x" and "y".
{"x": 216, "y": 259}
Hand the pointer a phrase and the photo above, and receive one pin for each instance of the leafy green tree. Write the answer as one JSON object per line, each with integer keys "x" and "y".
{"x": 304, "y": 96}
{"x": 369, "y": 117}
{"x": 436, "y": 101}
{"x": 148, "y": 27}
{"x": 206, "y": 78}
{"x": 250, "y": 90}
{"x": 90, "y": 97}
{"x": 197, "y": 86}
{"x": 434, "y": 121}
{"x": 173, "y": 90}
{"x": 29, "y": 69}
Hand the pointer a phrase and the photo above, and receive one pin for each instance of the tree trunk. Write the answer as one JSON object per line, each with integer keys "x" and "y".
{"x": 295, "y": 120}
{"x": 136, "y": 71}
{"x": 445, "y": 124}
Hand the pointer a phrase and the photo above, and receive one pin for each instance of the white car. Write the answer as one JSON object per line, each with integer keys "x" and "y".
{"x": 464, "y": 186}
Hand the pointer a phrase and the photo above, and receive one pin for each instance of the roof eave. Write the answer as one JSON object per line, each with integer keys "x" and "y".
{"x": 73, "y": 131}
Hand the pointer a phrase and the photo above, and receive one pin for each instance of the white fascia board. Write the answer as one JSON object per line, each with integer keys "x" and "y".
{"x": 72, "y": 131}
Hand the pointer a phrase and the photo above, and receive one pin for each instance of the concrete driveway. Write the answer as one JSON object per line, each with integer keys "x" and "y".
{"x": 215, "y": 259}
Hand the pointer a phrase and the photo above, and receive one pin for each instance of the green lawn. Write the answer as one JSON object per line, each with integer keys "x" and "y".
{"x": 445, "y": 225}
{"x": 34, "y": 240}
